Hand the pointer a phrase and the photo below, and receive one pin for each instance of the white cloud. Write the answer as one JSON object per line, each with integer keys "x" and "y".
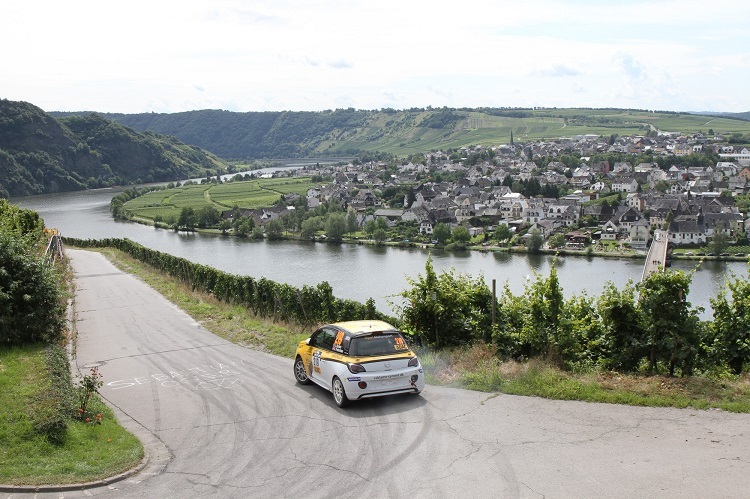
{"x": 318, "y": 54}
{"x": 556, "y": 71}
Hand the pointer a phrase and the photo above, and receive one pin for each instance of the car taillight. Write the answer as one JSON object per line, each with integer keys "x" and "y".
{"x": 413, "y": 362}
{"x": 356, "y": 368}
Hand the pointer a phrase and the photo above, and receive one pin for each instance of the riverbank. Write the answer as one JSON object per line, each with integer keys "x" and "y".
{"x": 602, "y": 252}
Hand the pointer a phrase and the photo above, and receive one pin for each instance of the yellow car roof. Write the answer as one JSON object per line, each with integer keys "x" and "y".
{"x": 369, "y": 326}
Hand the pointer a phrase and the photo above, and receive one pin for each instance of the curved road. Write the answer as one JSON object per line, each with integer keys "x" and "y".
{"x": 226, "y": 421}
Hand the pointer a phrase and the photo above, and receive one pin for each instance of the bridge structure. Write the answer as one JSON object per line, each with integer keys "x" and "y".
{"x": 656, "y": 260}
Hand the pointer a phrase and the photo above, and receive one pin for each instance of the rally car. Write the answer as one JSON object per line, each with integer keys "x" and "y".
{"x": 358, "y": 359}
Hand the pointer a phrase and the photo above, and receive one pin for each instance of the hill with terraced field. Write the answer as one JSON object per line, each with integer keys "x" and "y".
{"x": 348, "y": 132}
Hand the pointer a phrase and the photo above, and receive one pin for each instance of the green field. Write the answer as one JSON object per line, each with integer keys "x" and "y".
{"x": 250, "y": 194}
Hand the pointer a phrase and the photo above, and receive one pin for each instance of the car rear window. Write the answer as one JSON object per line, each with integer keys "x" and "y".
{"x": 377, "y": 344}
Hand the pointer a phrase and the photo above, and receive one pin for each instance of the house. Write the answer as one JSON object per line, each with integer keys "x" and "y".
{"x": 363, "y": 199}
{"x": 600, "y": 212}
{"x": 392, "y": 216}
{"x": 639, "y": 234}
{"x": 545, "y": 227}
{"x": 534, "y": 212}
{"x": 626, "y": 217}
{"x": 636, "y": 200}
{"x": 686, "y": 229}
{"x": 564, "y": 214}
{"x": 577, "y": 239}
{"x": 682, "y": 149}
{"x": 622, "y": 167}
{"x": 415, "y": 214}
{"x": 625, "y": 183}
{"x": 610, "y": 231}
{"x": 581, "y": 177}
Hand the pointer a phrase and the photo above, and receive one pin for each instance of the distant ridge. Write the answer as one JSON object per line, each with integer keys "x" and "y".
{"x": 351, "y": 132}
{"x": 41, "y": 154}
{"x": 737, "y": 116}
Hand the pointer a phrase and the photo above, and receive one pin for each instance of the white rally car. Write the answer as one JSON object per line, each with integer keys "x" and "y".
{"x": 358, "y": 359}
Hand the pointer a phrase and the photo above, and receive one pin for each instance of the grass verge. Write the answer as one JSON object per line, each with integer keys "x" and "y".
{"x": 476, "y": 368}
{"x": 28, "y": 457}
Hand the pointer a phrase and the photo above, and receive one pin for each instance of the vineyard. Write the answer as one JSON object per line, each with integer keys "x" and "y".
{"x": 268, "y": 299}
{"x": 248, "y": 195}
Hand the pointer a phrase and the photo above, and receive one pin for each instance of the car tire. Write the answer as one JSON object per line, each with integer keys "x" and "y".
{"x": 339, "y": 394}
{"x": 299, "y": 372}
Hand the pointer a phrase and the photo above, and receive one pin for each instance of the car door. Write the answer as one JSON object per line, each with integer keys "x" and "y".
{"x": 314, "y": 352}
{"x": 331, "y": 360}
{"x": 322, "y": 355}
{"x": 307, "y": 353}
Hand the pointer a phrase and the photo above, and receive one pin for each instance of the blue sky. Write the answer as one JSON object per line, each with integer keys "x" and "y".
{"x": 309, "y": 55}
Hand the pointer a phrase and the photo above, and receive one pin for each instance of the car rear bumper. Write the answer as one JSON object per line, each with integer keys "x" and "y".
{"x": 380, "y": 385}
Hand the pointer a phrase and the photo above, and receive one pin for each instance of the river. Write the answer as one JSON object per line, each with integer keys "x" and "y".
{"x": 357, "y": 272}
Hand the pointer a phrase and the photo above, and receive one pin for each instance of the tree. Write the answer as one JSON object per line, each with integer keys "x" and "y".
{"x": 446, "y": 309}
{"x": 311, "y": 226}
{"x": 243, "y": 226}
{"x": 730, "y": 329}
{"x": 380, "y": 236}
{"x": 556, "y": 240}
{"x": 207, "y": 216}
{"x": 527, "y": 325}
{"x": 224, "y": 226}
{"x": 461, "y": 235}
{"x": 187, "y": 219}
{"x": 274, "y": 229}
{"x": 351, "y": 223}
{"x": 502, "y": 233}
{"x": 720, "y": 240}
{"x": 335, "y": 227}
{"x": 442, "y": 233}
{"x": 661, "y": 185}
{"x": 671, "y": 325}
{"x": 534, "y": 241}
{"x": 624, "y": 341}
{"x": 370, "y": 227}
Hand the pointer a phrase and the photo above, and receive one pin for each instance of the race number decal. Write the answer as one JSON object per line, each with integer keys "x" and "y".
{"x": 400, "y": 344}
{"x": 337, "y": 343}
{"x": 316, "y": 361}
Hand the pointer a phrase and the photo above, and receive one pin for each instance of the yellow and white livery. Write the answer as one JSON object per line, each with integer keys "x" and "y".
{"x": 358, "y": 359}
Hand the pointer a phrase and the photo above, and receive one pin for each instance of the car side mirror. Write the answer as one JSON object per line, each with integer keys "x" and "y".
{"x": 307, "y": 341}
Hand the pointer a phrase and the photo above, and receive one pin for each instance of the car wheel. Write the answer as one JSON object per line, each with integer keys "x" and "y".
{"x": 339, "y": 395}
{"x": 299, "y": 372}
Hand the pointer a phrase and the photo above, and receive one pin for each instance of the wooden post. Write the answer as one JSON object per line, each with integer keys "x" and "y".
{"x": 494, "y": 301}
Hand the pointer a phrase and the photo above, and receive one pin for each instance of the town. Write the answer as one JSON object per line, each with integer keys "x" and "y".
{"x": 558, "y": 192}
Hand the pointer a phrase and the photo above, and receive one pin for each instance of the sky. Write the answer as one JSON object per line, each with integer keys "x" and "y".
{"x": 169, "y": 56}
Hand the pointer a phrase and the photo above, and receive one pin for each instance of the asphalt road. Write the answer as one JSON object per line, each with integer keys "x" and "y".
{"x": 225, "y": 421}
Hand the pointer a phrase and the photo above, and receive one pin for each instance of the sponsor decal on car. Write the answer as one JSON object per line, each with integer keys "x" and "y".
{"x": 389, "y": 376}
{"x": 354, "y": 379}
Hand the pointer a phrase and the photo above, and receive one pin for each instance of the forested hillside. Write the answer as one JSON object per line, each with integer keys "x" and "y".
{"x": 41, "y": 154}
{"x": 351, "y": 132}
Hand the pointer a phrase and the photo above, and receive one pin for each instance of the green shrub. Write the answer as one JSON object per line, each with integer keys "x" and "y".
{"x": 31, "y": 308}
{"x": 51, "y": 409}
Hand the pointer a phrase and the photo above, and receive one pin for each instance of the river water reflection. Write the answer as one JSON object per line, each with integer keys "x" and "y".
{"x": 356, "y": 272}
